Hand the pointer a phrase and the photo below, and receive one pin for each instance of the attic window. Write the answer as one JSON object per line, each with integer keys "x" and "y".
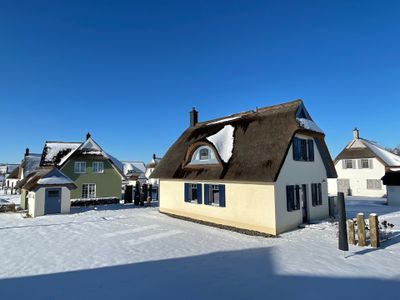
{"x": 203, "y": 155}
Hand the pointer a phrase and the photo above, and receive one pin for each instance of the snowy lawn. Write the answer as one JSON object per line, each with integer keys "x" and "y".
{"x": 125, "y": 252}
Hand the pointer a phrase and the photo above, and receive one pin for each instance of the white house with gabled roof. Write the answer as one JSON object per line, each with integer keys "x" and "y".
{"x": 360, "y": 167}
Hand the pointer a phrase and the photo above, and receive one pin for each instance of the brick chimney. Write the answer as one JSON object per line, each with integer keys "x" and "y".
{"x": 356, "y": 134}
{"x": 194, "y": 117}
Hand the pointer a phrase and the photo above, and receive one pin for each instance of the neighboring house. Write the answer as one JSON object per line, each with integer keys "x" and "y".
{"x": 150, "y": 167}
{"x": 96, "y": 174}
{"x": 5, "y": 171}
{"x": 29, "y": 164}
{"x": 360, "y": 167}
{"x": 134, "y": 171}
{"x": 48, "y": 191}
{"x": 392, "y": 182}
{"x": 263, "y": 170}
{"x": 12, "y": 180}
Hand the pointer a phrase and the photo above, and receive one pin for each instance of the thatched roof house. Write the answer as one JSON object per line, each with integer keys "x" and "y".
{"x": 245, "y": 148}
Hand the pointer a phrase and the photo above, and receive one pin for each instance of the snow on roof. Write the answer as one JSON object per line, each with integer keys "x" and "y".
{"x": 223, "y": 142}
{"x": 58, "y": 152}
{"x": 309, "y": 124}
{"x": 223, "y": 120}
{"x": 31, "y": 163}
{"x": 133, "y": 167}
{"x": 55, "y": 177}
{"x": 389, "y": 158}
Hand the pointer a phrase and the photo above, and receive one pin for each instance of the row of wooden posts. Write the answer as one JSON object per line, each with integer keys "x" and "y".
{"x": 361, "y": 230}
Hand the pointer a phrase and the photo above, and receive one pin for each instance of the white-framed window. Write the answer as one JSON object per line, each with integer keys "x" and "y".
{"x": 203, "y": 155}
{"x": 348, "y": 164}
{"x": 374, "y": 184}
{"x": 214, "y": 194}
{"x": 98, "y": 167}
{"x": 80, "y": 167}
{"x": 365, "y": 163}
{"x": 88, "y": 190}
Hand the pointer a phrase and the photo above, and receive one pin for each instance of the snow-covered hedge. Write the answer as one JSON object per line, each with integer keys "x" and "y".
{"x": 95, "y": 201}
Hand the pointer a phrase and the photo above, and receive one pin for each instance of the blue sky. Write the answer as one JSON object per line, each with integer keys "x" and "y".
{"x": 129, "y": 72}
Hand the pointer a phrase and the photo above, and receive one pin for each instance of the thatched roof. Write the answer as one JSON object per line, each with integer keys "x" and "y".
{"x": 261, "y": 141}
{"x": 14, "y": 174}
{"x": 363, "y": 148}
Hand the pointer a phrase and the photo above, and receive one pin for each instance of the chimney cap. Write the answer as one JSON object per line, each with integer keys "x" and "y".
{"x": 88, "y": 135}
{"x": 154, "y": 156}
{"x": 27, "y": 151}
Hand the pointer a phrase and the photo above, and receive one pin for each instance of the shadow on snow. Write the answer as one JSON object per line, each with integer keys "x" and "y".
{"x": 245, "y": 274}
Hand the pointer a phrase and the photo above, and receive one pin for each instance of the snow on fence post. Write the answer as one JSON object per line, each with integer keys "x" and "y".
{"x": 374, "y": 230}
{"x": 351, "y": 232}
{"x": 361, "y": 229}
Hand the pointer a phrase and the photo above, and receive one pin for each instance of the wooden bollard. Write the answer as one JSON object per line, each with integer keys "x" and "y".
{"x": 351, "y": 232}
{"x": 374, "y": 230}
{"x": 361, "y": 229}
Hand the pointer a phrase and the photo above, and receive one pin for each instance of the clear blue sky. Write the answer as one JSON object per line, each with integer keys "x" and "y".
{"x": 129, "y": 72}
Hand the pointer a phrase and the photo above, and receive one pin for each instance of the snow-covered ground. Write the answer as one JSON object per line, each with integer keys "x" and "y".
{"x": 125, "y": 252}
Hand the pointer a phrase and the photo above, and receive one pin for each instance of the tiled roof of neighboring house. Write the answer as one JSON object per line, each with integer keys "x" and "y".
{"x": 363, "y": 148}
{"x": 30, "y": 163}
{"x": 14, "y": 174}
{"x": 46, "y": 177}
{"x": 133, "y": 167}
{"x": 252, "y": 145}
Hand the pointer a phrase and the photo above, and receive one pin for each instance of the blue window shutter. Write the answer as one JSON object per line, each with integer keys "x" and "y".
{"x": 310, "y": 150}
{"x": 297, "y": 203}
{"x": 187, "y": 186}
{"x": 319, "y": 194}
{"x": 199, "y": 194}
{"x": 296, "y": 149}
{"x": 289, "y": 197}
{"x": 222, "y": 195}
{"x": 206, "y": 193}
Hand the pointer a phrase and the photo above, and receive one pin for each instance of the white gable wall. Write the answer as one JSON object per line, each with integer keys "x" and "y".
{"x": 358, "y": 178}
{"x": 300, "y": 172}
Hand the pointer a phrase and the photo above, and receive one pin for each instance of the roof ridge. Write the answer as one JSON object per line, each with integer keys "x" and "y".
{"x": 63, "y": 142}
{"x": 259, "y": 109}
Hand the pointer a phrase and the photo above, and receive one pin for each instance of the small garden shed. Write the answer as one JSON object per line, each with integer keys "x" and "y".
{"x": 48, "y": 192}
{"x": 392, "y": 182}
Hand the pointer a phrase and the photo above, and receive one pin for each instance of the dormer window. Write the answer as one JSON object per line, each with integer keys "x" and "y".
{"x": 203, "y": 155}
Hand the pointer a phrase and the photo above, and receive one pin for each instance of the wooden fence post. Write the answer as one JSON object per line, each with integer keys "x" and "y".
{"x": 374, "y": 230}
{"x": 361, "y": 229}
{"x": 351, "y": 232}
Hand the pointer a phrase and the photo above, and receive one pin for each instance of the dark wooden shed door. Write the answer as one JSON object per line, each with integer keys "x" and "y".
{"x": 52, "y": 203}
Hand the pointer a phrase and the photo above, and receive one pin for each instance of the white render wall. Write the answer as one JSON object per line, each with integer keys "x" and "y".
{"x": 358, "y": 179}
{"x": 36, "y": 201}
{"x": 393, "y": 195}
{"x": 300, "y": 172}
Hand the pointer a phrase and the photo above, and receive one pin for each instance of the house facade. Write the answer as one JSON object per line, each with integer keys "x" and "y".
{"x": 391, "y": 180}
{"x": 263, "y": 170}
{"x": 94, "y": 172}
{"x": 360, "y": 167}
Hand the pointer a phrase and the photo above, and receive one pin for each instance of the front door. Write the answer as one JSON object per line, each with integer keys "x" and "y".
{"x": 52, "y": 203}
{"x": 303, "y": 195}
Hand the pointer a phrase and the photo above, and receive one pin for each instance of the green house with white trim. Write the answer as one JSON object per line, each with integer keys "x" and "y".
{"x": 97, "y": 175}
